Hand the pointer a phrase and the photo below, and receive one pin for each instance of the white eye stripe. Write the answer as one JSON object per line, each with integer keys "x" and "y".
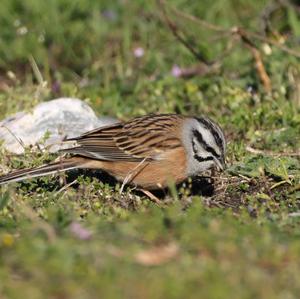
{"x": 207, "y": 143}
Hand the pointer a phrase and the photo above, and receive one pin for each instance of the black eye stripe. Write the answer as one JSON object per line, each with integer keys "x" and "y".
{"x": 202, "y": 159}
{"x": 208, "y": 148}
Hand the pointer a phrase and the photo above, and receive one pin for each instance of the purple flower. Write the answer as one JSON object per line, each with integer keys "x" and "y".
{"x": 110, "y": 15}
{"x": 176, "y": 71}
{"x": 138, "y": 52}
{"x": 79, "y": 231}
{"x": 55, "y": 86}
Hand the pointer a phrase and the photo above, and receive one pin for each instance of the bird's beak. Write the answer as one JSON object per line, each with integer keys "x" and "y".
{"x": 220, "y": 163}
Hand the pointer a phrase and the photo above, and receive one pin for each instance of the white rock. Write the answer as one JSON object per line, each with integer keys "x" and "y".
{"x": 63, "y": 117}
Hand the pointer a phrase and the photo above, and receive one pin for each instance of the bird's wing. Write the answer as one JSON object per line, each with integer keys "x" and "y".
{"x": 139, "y": 139}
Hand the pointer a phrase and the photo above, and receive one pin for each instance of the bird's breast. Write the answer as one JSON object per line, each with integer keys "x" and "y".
{"x": 171, "y": 167}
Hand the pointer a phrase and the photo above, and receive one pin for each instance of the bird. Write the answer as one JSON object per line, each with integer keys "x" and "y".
{"x": 148, "y": 152}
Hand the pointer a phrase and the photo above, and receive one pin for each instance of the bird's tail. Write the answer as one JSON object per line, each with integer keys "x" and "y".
{"x": 54, "y": 167}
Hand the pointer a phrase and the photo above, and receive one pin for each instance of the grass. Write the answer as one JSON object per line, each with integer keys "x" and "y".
{"x": 235, "y": 237}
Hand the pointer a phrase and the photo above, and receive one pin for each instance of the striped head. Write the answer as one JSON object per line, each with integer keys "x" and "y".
{"x": 205, "y": 145}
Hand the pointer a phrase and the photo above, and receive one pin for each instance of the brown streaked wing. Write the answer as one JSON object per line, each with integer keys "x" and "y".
{"x": 102, "y": 132}
{"x": 148, "y": 136}
{"x": 140, "y": 138}
{"x": 99, "y": 144}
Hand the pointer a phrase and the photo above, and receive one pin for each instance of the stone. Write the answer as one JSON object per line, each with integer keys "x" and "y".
{"x": 56, "y": 119}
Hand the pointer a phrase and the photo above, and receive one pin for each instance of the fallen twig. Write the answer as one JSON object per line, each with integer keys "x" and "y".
{"x": 271, "y": 153}
{"x": 179, "y": 36}
{"x": 233, "y": 30}
{"x": 247, "y": 38}
{"x": 198, "y": 70}
{"x": 257, "y": 58}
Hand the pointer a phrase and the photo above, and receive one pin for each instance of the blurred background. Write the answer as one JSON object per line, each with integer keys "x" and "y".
{"x": 237, "y": 61}
{"x": 124, "y": 57}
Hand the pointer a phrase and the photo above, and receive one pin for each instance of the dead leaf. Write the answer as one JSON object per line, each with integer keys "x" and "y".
{"x": 157, "y": 255}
